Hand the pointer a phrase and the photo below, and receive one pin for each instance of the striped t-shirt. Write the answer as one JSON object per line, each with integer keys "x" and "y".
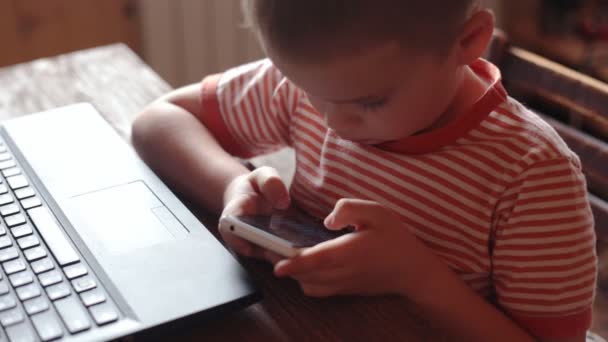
{"x": 496, "y": 193}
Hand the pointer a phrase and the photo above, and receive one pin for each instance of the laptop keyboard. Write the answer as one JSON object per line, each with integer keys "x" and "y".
{"x": 47, "y": 291}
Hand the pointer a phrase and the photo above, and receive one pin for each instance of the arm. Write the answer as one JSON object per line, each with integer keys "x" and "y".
{"x": 539, "y": 281}
{"x": 447, "y": 300}
{"x": 171, "y": 139}
{"x": 382, "y": 257}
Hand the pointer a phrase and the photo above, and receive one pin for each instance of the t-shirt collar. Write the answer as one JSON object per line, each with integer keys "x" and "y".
{"x": 436, "y": 139}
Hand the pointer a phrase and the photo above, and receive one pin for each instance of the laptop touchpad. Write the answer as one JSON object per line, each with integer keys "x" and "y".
{"x": 123, "y": 218}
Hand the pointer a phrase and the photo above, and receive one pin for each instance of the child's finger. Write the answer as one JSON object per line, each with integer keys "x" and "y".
{"x": 272, "y": 257}
{"x": 239, "y": 245}
{"x": 271, "y": 186}
{"x": 324, "y": 256}
{"x": 247, "y": 204}
{"x": 245, "y": 248}
{"x": 315, "y": 290}
{"x": 292, "y": 267}
{"x": 357, "y": 213}
{"x": 333, "y": 276}
{"x": 242, "y": 205}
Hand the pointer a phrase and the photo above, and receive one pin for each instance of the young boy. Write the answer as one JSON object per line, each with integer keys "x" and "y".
{"x": 464, "y": 201}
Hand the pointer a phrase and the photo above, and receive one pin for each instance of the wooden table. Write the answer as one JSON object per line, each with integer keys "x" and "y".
{"x": 119, "y": 84}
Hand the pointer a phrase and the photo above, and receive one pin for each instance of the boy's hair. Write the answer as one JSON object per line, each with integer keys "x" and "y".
{"x": 305, "y": 30}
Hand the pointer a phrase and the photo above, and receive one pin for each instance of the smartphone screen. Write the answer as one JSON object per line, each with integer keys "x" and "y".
{"x": 299, "y": 230}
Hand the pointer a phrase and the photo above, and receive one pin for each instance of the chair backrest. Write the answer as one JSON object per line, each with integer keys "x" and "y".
{"x": 573, "y": 97}
{"x": 576, "y": 105}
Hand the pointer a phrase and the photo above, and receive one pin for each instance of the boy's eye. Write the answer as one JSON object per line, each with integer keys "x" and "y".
{"x": 372, "y": 105}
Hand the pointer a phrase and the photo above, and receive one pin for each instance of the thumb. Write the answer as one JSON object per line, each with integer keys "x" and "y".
{"x": 267, "y": 182}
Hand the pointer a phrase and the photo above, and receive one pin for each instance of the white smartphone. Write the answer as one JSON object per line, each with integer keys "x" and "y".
{"x": 284, "y": 234}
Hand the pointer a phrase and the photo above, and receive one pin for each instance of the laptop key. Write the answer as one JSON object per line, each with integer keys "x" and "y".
{"x": 13, "y": 266}
{"x": 14, "y": 220}
{"x": 7, "y": 164}
{"x": 7, "y": 302}
{"x": 6, "y": 199}
{"x": 24, "y": 193}
{"x": 35, "y": 253}
{"x": 17, "y": 182}
{"x": 35, "y": 305}
{"x": 28, "y": 242}
{"x": 3, "y": 287}
{"x": 11, "y": 317}
{"x": 5, "y": 156}
{"x": 103, "y": 313}
{"x": 31, "y": 202}
{"x": 53, "y": 236}
{"x": 73, "y": 314}
{"x": 47, "y": 325}
{"x": 58, "y": 291}
{"x": 83, "y": 284}
{"x": 2, "y": 230}
{"x": 5, "y": 241}
{"x": 21, "y": 332}
{"x": 92, "y": 297}
{"x": 9, "y": 209}
{"x": 21, "y": 278}
{"x": 3, "y": 189}
{"x": 11, "y": 172}
{"x": 75, "y": 271}
{"x": 49, "y": 278}
{"x": 28, "y": 292}
{"x": 8, "y": 254}
{"x": 42, "y": 265}
{"x": 22, "y": 230}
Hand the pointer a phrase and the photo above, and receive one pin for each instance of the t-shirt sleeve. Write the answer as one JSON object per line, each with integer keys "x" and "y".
{"x": 248, "y": 109}
{"x": 544, "y": 259}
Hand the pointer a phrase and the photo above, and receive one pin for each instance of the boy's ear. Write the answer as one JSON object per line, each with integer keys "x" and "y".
{"x": 476, "y": 36}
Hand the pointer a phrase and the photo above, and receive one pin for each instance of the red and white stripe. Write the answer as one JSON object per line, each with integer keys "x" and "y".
{"x": 505, "y": 205}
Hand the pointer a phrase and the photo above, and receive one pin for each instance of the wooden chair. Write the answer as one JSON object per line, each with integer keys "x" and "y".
{"x": 576, "y": 105}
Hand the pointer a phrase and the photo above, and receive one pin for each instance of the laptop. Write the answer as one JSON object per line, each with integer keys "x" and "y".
{"x": 93, "y": 246}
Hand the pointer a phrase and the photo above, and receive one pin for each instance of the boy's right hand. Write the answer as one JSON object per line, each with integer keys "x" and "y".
{"x": 259, "y": 192}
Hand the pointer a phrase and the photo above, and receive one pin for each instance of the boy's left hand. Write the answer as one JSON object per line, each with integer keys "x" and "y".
{"x": 381, "y": 257}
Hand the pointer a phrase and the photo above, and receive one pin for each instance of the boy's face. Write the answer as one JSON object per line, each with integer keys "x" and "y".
{"x": 379, "y": 95}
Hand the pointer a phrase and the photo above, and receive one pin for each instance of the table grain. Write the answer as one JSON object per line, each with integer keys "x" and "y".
{"x": 119, "y": 84}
